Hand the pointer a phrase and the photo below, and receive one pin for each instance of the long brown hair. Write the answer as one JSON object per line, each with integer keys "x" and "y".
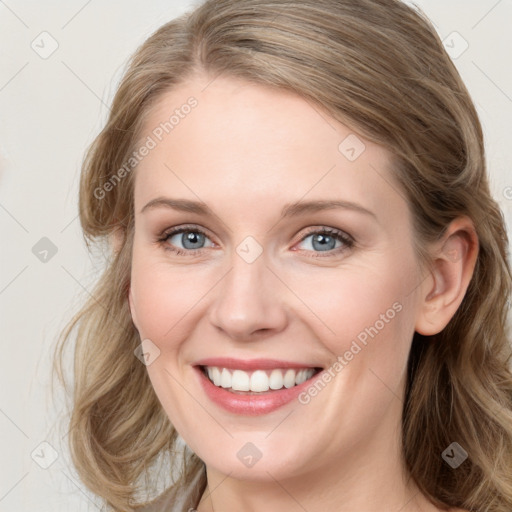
{"x": 378, "y": 67}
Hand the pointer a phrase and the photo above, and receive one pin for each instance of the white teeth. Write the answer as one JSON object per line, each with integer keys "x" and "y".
{"x": 301, "y": 377}
{"x": 276, "y": 379}
{"x": 289, "y": 378}
{"x": 225, "y": 378}
{"x": 216, "y": 376}
{"x": 258, "y": 381}
{"x": 240, "y": 381}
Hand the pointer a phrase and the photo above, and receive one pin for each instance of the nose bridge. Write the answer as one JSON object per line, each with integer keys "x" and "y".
{"x": 248, "y": 298}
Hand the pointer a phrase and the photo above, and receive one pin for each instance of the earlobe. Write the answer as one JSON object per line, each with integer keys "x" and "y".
{"x": 454, "y": 259}
{"x": 116, "y": 239}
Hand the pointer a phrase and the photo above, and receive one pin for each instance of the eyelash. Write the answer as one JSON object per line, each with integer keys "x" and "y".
{"x": 347, "y": 240}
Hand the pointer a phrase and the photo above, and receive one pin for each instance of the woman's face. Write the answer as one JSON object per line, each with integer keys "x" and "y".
{"x": 267, "y": 286}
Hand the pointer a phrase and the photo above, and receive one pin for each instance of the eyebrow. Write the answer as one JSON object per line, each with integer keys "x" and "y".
{"x": 289, "y": 210}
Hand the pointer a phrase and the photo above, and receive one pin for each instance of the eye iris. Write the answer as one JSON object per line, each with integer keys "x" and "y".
{"x": 193, "y": 237}
{"x": 324, "y": 241}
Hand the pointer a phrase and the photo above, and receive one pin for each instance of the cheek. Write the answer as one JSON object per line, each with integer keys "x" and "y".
{"x": 164, "y": 298}
{"x": 365, "y": 315}
{"x": 351, "y": 300}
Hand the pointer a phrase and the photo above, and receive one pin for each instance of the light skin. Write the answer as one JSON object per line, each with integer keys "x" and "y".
{"x": 246, "y": 151}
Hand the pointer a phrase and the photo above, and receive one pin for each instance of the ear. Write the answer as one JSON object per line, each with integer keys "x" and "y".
{"x": 454, "y": 259}
{"x": 116, "y": 239}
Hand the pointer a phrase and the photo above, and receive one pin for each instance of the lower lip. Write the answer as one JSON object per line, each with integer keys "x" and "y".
{"x": 251, "y": 405}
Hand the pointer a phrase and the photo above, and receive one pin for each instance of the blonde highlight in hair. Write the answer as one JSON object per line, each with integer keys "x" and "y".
{"x": 378, "y": 67}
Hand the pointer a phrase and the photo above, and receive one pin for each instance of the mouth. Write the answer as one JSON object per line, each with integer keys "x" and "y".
{"x": 243, "y": 382}
{"x": 253, "y": 387}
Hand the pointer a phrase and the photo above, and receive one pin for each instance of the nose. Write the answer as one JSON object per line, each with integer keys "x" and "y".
{"x": 249, "y": 301}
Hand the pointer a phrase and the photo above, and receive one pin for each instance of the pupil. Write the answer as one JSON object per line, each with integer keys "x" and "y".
{"x": 193, "y": 238}
{"x": 323, "y": 240}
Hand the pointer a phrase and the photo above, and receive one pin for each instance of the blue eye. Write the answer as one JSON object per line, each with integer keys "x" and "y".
{"x": 325, "y": 240}
{"x": 192, "y": 240}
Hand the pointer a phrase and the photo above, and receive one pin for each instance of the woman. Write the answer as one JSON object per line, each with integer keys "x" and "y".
{"x": 309, "y": 276}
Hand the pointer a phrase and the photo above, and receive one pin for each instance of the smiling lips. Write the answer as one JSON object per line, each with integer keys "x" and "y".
{"x": 259, "y": 380}
{"x": 253, "y": 387}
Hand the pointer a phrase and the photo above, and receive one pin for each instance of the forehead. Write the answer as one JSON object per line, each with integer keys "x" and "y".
{"x": 232, "y": 140}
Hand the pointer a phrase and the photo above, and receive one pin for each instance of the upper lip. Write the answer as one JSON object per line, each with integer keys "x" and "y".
{"x": 251, "y": 364}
